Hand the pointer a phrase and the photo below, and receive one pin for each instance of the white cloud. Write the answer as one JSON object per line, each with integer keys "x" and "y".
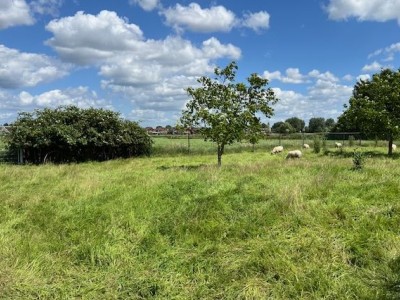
{"x": 11, "y": 104}
{"x": 167, "y": 95}
{"x": 293, "y": 75}
{"x": 19, "y": 69}
{"x": 324, "y": 96}
{"x": 213, "y": 49}
{"x": 14, "y": 13}
{"x": 371, "y": 10}
{"x": 373, "y": 67}
{"x": 256, "y": 21}
{"x": 86, "y": 39}
{"x": 323, "y": 99}
{"x": 329, "y": 92}
{"x": 388, "y": 52}
{"x": 364, "y": 77}
{"x": 151, "y": 116}
{"x": 326, "y": 76}
{"x": 157, "y": 60}
{"x": 214, "y": 19}
{"x": 150, "y": 74}
{"x": 348, "y": 77}
{"x": 80, "y": 96}
{"x": 46, "y": 7}
{"x": 147, "y": 5}
{"x": 276, "y": 75}
{"x": 195, "y": 18}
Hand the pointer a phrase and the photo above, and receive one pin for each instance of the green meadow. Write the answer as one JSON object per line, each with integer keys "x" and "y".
{"x": 174, "y": 226}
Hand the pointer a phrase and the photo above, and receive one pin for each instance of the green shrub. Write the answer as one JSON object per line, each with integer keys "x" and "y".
{"x": 317, "y": 144}
{"x": 358, "y": 160}
{"x": 69, "y": 133}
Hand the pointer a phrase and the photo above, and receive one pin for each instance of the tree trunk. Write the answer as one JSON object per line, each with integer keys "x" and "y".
{"x": 390, "y": 150}
{"x": 220, "y": 152}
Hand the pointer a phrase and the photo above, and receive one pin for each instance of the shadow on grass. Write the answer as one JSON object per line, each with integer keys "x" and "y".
{"x": 371, "y": 154}
{"x": 391, "y": 286}
{"x": 182, "y": 167}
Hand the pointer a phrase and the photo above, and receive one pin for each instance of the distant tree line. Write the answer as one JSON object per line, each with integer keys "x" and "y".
{"x": 296, "y": 124}
{"x": 72, "y": 134}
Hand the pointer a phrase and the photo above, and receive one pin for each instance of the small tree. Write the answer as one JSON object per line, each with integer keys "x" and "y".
{"x": 317, "y": 144}
{"x": 224, "y": 110}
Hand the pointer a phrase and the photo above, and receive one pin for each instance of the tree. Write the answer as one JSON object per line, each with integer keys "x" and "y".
{"x": 224, "y": 110}
{"x": 69, "y": 133}
{"x": 296, "y": 123}
{"x": 374, "y": 107}
{"x": 329, "y": 124}
{"x": 265, "y": 127}
{"x": 282, "y": 127}
{"x": 316, "y": 125}
{"x": 170, "y": 129}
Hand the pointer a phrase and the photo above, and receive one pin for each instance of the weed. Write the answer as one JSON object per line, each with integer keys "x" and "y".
{"x": 358, "y": 160}
{"x": 317, "y": 144}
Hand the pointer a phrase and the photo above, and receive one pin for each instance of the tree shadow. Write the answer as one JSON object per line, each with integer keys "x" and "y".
{"x": 391, "y": 286}
{"x": 182, "y": 167}
{"x": 369, "y": 154}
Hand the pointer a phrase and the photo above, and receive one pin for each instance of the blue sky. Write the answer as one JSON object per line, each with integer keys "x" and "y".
{"x": 137, "y": 56}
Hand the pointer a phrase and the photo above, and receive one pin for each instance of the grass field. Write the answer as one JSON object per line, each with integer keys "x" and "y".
{"x": 177, "y": 227}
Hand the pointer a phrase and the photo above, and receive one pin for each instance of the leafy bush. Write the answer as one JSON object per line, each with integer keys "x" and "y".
{"x": 317, "y": 144}
{"x": 358, "y": 160}
{"x": 69, "y": 133}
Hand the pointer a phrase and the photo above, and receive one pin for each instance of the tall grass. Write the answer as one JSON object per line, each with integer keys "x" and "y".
{"x": 177, "y": 227}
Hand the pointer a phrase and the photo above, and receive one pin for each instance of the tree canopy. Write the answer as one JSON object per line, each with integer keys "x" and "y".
{"x": 69, "y": 133}
{"x": 297, "y": 124}
{"x": 316, "y": 125}
{"x": 225, "y": 110}
{"x": 374, "y": 107}
{"x": 282, "y": 127}
{"x": 329, "y": 124}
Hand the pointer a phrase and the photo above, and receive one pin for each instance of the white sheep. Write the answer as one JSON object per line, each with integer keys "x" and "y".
{"x": 394, "y": 147}
{"x": 294, "y": 154}
{"x": 338, "y": 145}
{"x": 277, "y": 149}
{"x": 306, "y": 146}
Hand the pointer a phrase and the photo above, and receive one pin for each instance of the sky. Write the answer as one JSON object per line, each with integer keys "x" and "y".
{"x": 137, "y": 57}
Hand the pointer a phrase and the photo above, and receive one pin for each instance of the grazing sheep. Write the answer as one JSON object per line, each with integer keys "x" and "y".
{"x": 294, "y": 154}
{"x": 306, "y": 146}
{"x": 277, "y": 149}
{"x": 394, "y": 147}
{"x": 338, "y": 145}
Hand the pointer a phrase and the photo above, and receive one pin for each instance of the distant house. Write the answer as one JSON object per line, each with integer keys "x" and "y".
{"x": 149, "y": 130}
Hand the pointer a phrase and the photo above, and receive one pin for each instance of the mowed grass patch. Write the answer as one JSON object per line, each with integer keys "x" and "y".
{"x": 180, "y": 228}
